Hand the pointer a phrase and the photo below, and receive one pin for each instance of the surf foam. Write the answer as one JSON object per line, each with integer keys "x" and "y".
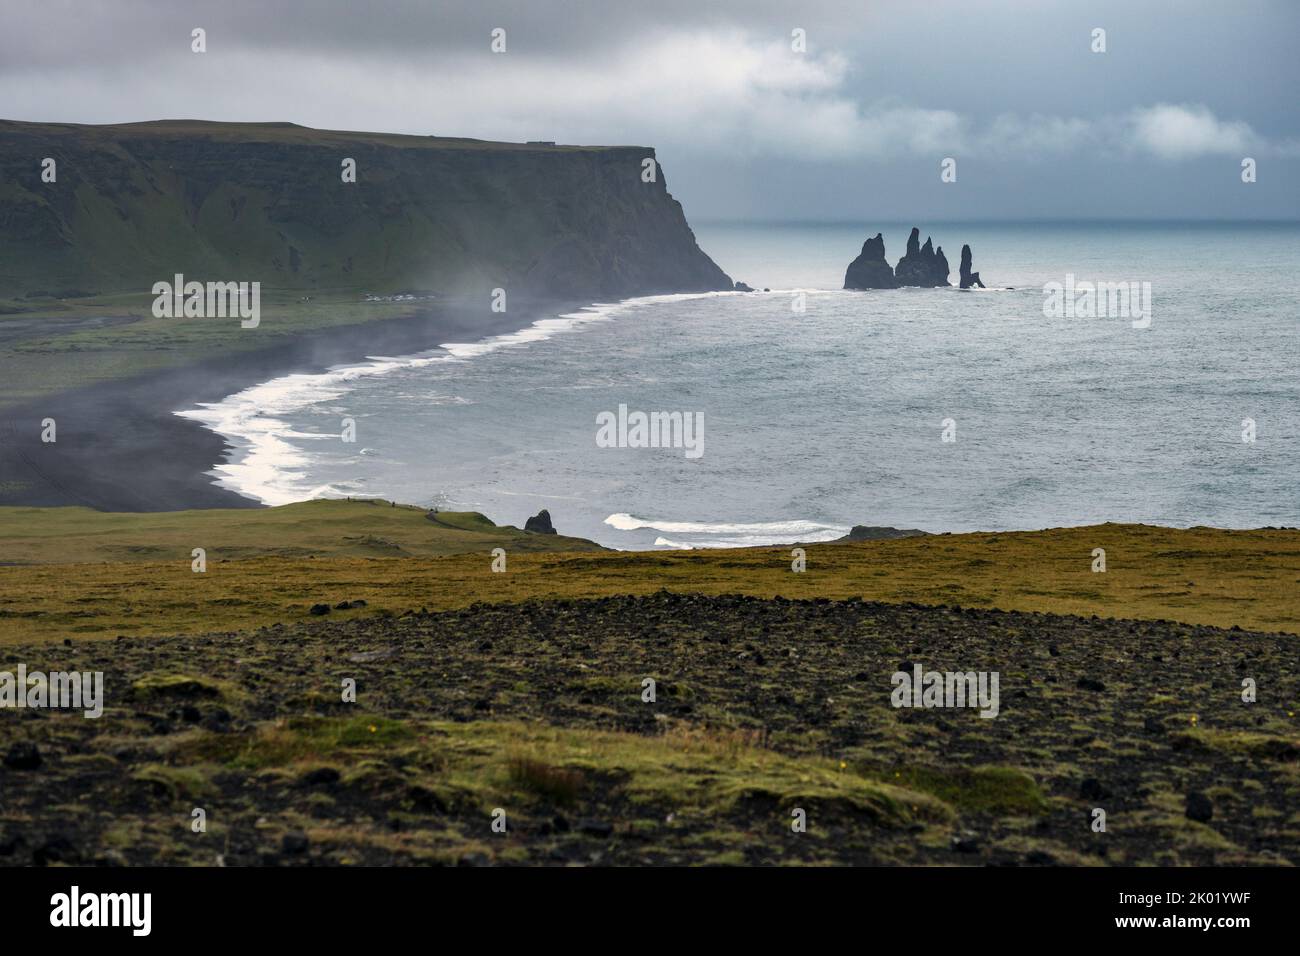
{"x": 267, "y": 465}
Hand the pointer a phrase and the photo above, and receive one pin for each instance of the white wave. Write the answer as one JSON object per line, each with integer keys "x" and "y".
{"x": 267, "y": 466}
{"x": 767, "y": 531}
{"x": 748, "y": 541}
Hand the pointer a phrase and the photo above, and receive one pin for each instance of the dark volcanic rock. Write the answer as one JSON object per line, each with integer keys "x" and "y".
{"x": 1092, "y": 789}
{"x": 540, "y": 523}
{"x": 870, "y": 270}
{"x": 57, "y": 849}
{"x": 921, "y": 266}
{"x": 1199, "y": 807}
{"x": 968, "y": 278}
{"x": 217, "y": 721}
{"x": 294, "y": 843}
{"x": 23, "y": 756}
{"x": 862, "y": 532}
{"x": 321, "y": 777}
{"x": 742, "y": 287}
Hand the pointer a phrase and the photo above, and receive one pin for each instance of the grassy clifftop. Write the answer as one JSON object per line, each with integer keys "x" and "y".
{"x": 268, "y": 566}
{"x": 133, "y": 204}
{"x": 365, "y": 528}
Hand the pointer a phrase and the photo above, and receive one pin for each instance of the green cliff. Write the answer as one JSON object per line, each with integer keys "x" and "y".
{"x": 134, "y": 204}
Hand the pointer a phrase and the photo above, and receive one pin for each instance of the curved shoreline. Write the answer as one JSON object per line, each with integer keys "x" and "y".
{"x": 122, "y": 447}
{"x": 265, "y": 465}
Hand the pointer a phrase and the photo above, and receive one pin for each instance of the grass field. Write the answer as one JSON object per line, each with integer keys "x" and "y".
{"x": 46, "y": 345}
{"x": 364, "y": 528}
{"x": 78, "y": 573}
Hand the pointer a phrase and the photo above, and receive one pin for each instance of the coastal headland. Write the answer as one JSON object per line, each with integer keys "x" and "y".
{"x": 362, "y": 243}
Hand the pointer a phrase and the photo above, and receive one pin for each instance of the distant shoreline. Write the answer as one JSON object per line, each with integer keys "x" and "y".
{"x": 122, "y": 447}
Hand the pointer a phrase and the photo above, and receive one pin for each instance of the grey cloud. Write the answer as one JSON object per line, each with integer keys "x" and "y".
{"x": 714, "y": 85}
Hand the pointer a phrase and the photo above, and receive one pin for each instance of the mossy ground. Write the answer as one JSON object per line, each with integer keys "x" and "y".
{"x": 762, "y": 707}
{"x": 523, "y": 690}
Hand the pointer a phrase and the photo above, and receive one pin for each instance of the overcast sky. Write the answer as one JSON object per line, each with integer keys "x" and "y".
{"x": 853, "y": 128}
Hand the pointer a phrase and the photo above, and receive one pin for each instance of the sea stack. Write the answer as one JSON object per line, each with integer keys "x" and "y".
{"x": 921, "y": 265}
{"x": 968, "y": 278}
{"x": 870, "y": 270}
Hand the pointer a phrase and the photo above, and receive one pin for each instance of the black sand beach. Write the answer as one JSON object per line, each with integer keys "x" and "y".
{"x": 121, "y": 447}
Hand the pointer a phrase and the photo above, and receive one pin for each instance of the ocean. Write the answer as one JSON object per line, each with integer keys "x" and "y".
{"x": 820, "y": 409}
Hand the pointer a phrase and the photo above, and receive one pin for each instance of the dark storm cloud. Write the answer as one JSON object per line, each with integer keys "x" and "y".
{"x": 1009, "y": 88}
{"x": 58, "y": 32}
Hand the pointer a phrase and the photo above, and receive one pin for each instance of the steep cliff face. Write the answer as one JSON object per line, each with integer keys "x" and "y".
{"x": 134, "y": 204}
